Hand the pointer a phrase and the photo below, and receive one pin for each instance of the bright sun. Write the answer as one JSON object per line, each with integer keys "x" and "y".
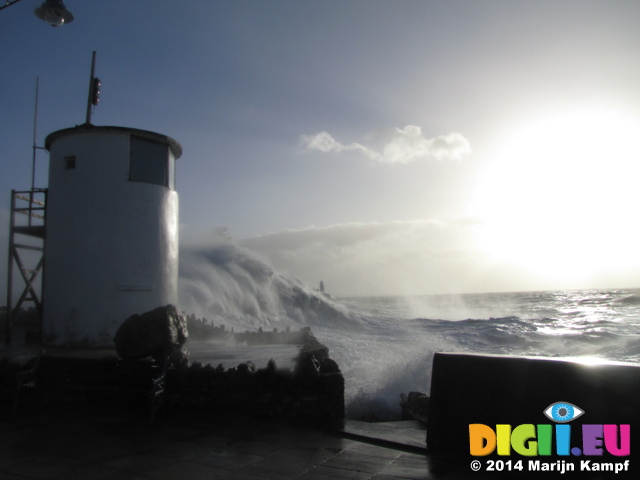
{"x": 562, "y": 196}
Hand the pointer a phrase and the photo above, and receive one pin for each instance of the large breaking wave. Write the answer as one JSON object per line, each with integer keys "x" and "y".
{"x": 227, "y": 283}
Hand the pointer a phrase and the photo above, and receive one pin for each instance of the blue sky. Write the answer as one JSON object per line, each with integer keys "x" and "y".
{"x": 386, "y": 147}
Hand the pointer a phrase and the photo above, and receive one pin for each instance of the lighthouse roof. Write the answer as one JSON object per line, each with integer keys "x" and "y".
{"x": 175, "y": 147}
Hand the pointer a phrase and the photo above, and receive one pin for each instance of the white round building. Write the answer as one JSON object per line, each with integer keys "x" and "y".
{"x": 111, "y": 246}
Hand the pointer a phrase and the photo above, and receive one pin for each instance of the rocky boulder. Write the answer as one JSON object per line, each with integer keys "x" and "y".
{"x": 415, "y": 406}
{"x": 157, "y": 333}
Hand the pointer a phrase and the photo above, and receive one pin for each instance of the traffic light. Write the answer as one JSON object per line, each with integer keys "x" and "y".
{"x": 95, "y": 91}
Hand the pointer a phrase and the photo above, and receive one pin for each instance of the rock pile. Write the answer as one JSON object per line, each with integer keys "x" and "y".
{"x": 157, "y": 333}
{"x": 415, "y": 406}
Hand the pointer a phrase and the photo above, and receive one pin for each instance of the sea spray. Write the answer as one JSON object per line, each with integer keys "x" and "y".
{"x": 380, "y": 362}
{"x": 228, "y": 283}
{"x": 385, "y": 345}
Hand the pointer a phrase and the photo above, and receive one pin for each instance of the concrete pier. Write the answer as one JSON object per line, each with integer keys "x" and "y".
{"x": 81, "y": 443}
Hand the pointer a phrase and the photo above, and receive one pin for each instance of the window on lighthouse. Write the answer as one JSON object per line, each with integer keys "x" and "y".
{"x": 150, "y": 162}
{"x": 70, "y": 162}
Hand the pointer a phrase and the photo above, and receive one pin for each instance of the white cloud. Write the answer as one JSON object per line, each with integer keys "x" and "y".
{"x": 400, "y": 146}
{"x": 325, "y": 143}
{"x": 412, "y": 258}
{"x": 271, "y": 279}
{"x": 396, "y": 258}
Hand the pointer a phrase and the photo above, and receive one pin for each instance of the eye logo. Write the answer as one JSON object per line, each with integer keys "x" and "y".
{"x": 563, "y": 412}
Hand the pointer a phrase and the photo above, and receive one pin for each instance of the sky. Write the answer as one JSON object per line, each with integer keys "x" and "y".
{"x": 384, "y": 147}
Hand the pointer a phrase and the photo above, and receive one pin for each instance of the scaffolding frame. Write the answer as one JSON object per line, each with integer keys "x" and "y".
{"x": 32, "y": 205}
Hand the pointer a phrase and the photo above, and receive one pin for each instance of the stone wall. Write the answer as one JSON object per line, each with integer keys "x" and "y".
{"x": 314, "y": 389}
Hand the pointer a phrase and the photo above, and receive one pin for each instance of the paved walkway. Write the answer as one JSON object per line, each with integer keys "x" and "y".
{"x": 82, "y": 442}
{"x": 70, "y": 442}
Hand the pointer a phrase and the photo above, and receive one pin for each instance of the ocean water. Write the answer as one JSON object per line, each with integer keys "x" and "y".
{"x": 385, "y": 345}
{"x": 391, "y": 351}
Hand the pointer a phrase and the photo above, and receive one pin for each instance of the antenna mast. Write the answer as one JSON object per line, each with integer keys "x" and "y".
{"x": 35, "y": 147}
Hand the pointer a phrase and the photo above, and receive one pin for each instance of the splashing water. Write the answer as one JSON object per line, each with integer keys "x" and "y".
{"x": 385, "y": 345}
{"x": 227, "y": 283}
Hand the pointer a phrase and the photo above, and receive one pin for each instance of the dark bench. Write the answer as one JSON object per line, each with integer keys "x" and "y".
{"x": 113, "y": 380}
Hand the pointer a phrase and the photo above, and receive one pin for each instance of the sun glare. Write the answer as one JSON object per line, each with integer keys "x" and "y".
{"x": 561, "y": 196}
{"x": 590, "y": 361}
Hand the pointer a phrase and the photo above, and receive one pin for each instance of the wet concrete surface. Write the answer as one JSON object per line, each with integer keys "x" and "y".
{"x": 76, "y": 441}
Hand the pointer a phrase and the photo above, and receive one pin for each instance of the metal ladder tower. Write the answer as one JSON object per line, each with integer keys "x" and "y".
{"x": 26, "y": 255}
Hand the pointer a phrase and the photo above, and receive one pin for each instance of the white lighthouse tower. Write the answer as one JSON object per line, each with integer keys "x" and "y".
{"x": 111, "y": 232}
